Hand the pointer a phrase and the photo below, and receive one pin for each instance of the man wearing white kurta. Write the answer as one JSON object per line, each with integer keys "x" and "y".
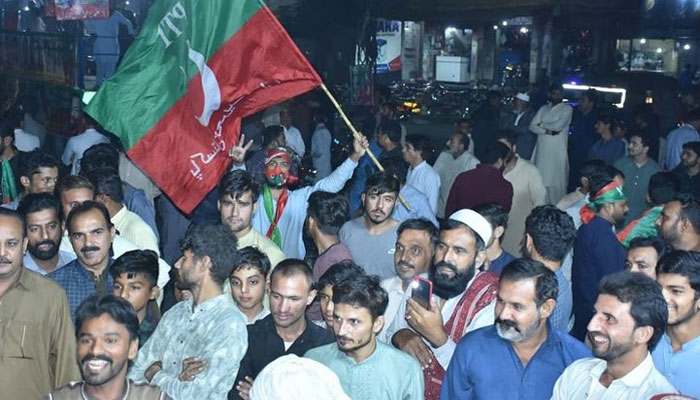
{"x": 451, "y": 163}
{"x": 551, "y": 124}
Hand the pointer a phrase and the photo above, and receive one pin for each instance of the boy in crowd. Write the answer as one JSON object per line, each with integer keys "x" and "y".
{"x": 248, "y": 281}
{"x": 135, "y": 275}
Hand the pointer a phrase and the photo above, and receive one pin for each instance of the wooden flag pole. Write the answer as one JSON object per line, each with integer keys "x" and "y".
{"x": 356, "y": 134}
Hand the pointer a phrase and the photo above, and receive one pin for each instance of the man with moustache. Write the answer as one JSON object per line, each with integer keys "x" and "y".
{"x": 367, "y": 368}
{"x": 644, "y": 253}
{"x": 197, "y": 347}
{"x": 37, "y": 343}
{"x": 522, "y": 354}
{"x": 371, "y": 238}
{"x": 597, "y": 252}
{"x": 286, "y": 330}
{"x": 107, "y": 335}
{"x": 91, "y": 233}
{"x": 679, "y": 223}
{"x": 463, "y": 298}
{"x": 678, "y": 352}
{"x": 42, "y": 217}
{"x": 414, "y": 252}
{"x": 630, "y": 317}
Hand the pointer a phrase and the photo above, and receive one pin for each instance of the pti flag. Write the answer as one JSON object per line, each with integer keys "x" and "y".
{"x": 194, "y": 71}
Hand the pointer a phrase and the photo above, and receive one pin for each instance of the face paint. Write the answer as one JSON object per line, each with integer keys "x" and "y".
{"x": 278, "y": 177}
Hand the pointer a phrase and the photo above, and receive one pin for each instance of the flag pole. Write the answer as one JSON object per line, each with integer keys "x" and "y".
{"x": 356, "y": 134}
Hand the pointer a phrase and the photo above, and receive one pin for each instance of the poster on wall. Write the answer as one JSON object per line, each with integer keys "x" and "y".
{"x": 81, "y": 9}
{"x": 388, "y": 45}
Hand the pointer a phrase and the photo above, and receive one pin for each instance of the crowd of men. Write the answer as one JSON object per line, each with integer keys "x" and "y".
{"x": 475, "y": 277}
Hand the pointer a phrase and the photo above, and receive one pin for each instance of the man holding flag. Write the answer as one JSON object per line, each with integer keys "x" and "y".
{"x": 283, "y": 211}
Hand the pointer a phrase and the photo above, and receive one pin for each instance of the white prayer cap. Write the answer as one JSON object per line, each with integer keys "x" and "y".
{"x": 476, "y": 222}
{"x": 523, "y": 97}
{"x": 295, "y": 378}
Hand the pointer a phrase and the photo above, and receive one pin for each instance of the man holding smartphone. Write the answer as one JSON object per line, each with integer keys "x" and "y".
{"x": 463, "y": 300}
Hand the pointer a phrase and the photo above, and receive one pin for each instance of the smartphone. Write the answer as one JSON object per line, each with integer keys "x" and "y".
{"x": 422, "y": 291}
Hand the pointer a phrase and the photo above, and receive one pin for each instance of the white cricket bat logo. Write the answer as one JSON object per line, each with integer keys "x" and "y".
{"x": 210, "y": 86}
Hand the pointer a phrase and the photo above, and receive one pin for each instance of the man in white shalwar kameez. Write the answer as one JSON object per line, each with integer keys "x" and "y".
{"x": 451, "y": 163}
{"x": 551, "y": 124}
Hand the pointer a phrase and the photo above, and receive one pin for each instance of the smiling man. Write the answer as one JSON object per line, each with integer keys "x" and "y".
{"x": 42, "y": 217}
{"x": 630, "y": 317}
{"x": 107, "y": 333}
{"x": 677, "y": 354}
{"x": 91, "y": 233}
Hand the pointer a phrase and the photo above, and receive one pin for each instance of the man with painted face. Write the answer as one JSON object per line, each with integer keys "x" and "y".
{"x": 108, "y": 340}
{"x": 283, "y": 212}
{"x": 464, "y": 298}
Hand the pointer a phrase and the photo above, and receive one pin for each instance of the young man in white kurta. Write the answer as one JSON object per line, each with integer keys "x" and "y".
{"x": 551, "y": 124}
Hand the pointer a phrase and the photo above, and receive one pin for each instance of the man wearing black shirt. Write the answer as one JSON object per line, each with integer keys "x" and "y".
{"x": 286, "y": 330}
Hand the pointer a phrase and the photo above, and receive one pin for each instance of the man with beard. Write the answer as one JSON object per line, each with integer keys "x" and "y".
{"x": 549, "y": 235}
{"x": 282, "y": 216}
{"x": 37, "y": 346}
{"x": 91, "y": 233}
{"x": 597, "y": 252}
{"x": 638, "y": 168}
{"x": 414, "y": 252}
{"x": 679, "y": 223}
{"x": 198, "y": 345}
{"x": 238, "y": 201}
{"x": 371, "y": 238}
{"x": 688, "y": 172}
{"x": 37, "y": 172}
{"x": 463, "y": 300}
{"x": 42, "y": 217}
{"x": 108, "y": 339}
{"x": 522, "y": 354}
{"x": 367, "y": 368}
{"x": 551, "y": 124}
{"x": 677, "y": 354}
{"x": 286, "y": 330}
{"x": 630, "y": 317}
{"x": 452, "y": 162}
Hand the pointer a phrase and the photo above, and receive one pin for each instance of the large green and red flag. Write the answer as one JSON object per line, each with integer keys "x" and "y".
{"x": 195, "y": 70}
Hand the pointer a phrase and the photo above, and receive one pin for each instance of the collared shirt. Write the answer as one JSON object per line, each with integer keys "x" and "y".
{"x": 374, "y": 253}
{"x": 262, "y": 314}
{"x": 679, "y": 367}
{"x": 562, "y": 310}
{"x": 63, "y": 258}
{"x": 424, "y": 178}
{"x": 675, "y": 141}
{"x": 76, "y": 146}
{"x": 149, "y": 323}
{"x": 636, "y": 184}
{"x": 580, "y": 381}
{"x": 132, "y": 228}
{"x": 262, "y": 243}
{"x": 37, "y": 341}
{"x": 136, "y": 201}
{"x": 212, "y": 331}
{"x": 597, "y": 253}
{"x": 79, "y": 283}
{"x": 493, "y": 188}
{"x": 25, "y": 141}
{"x": 485, "y": 366}
{"x": 689, "y": 184}
{"x": 609, "y": 150}
{"x": 449, "y": 168}
{"x": 443, "y": 354}
{"x": 291, "y": 223}
{"x": 377, "y": 376}
{"x": 394, "y": 288}
{"x": 265, "y": 346}
{"x": 133, "y": 391}
{"x": 420, "y": 206}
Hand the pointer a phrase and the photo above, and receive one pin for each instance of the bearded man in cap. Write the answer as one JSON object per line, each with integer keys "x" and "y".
{"x": 463, "y": 299}
{"x": 520, "y": 124}
{"x": 283, "y": 212}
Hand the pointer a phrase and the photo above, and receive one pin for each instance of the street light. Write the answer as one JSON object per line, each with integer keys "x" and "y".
{"x": 643, "y": 41}
{"x": 495, "y": 27}
{"x": 659, "y": 51}
{"x": 686, "y": 47}
{"x": 523, "y": 30}
{"x": 504, "y": 23}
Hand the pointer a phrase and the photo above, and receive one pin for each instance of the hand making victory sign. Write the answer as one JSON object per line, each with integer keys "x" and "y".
{"x": 238, "y": 152}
